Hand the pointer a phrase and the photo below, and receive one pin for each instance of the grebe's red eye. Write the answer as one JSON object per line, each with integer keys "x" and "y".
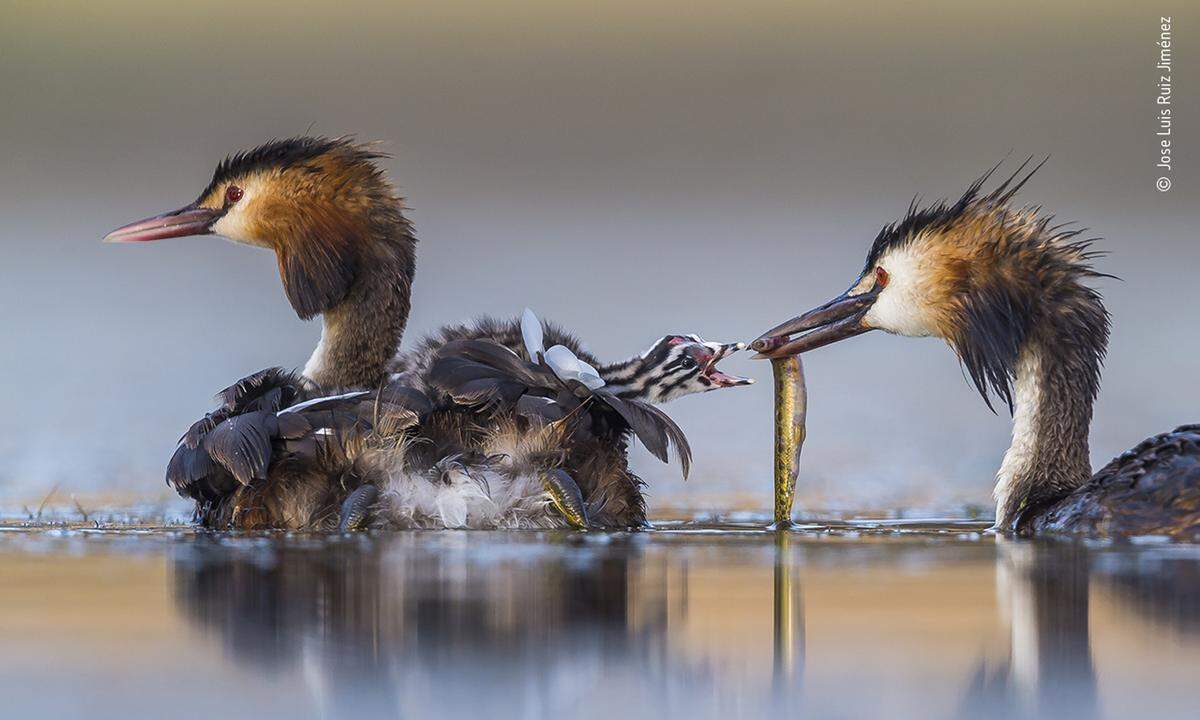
{"x": 881, "y": 277}
{"x": 233, "y": 193}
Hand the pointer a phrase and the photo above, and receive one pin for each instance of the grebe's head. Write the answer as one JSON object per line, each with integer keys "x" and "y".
{"x": 321, "y": 204}
{"x": 976, "y": 272}
{"x": 679, "y": 365}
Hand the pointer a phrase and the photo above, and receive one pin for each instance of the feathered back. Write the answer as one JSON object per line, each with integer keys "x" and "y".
{"x": 503, "y": 332}
{"x": 487, "y": 375}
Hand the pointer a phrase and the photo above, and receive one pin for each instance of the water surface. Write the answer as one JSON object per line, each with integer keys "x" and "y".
{"x": 889, "y": 619}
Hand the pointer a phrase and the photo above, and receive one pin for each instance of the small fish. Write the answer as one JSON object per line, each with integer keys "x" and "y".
{"x": 356, "y": 510}
{"x": 791, "y": 409}
{"x": 566, "y": 497}
{"x": 767, "y": 344}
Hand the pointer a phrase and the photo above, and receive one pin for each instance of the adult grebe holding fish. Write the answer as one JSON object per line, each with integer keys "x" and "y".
{"x": 1008, "y": 291}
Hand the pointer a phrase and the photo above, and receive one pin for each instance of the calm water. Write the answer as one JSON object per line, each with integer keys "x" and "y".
{"x": 893, "y": 620}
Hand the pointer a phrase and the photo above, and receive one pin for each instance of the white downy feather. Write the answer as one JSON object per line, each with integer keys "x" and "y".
{"x": 565, "y": 364}
{"x": 531, "y": 333}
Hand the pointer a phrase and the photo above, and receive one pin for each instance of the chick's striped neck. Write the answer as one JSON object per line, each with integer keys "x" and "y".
{"x": 632, "y": 379}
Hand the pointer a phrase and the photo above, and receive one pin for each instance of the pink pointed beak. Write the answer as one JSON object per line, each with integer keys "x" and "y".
{"x": 184, "y": 222}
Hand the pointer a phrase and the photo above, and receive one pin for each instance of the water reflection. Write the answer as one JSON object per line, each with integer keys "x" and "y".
{"x": 1044, "y": 591}
{"x": 388, "y": 626}
{"x": 1162, "y": 588}
{"x": 787, "y": 646}
{"x": 471, "y": 623}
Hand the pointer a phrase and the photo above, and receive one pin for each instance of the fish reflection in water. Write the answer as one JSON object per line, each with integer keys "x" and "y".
{"x": 460, "y": 626}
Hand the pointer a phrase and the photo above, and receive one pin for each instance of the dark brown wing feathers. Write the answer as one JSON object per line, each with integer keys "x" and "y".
{"x": 484, "y": 373}
{"x": 1152, "y": 489}
{"x": 653, "y": 427}
{"x": 269, "y": 417}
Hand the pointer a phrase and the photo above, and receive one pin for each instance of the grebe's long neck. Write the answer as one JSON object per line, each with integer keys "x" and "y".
{"x": 361, "y": 334}
{"x": 1056, "y": 381}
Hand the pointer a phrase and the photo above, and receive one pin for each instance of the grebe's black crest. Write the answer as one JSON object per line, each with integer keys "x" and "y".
{"x": 943, "y": 213}
{"x": 289, "y": 152}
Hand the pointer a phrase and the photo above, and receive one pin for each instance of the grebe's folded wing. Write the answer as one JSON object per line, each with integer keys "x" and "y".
{"x": 276, "y": 414}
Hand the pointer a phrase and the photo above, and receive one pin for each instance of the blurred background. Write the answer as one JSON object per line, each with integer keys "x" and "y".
{"x": 626, "y": 169}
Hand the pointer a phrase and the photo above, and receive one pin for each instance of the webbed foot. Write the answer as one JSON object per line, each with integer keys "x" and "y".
{"x": 566, "y": 497}
{"x": 356, "y": 510}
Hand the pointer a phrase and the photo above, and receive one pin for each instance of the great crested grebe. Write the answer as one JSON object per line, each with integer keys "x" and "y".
{"x": 337, "y": 227}
{"x": 286, "y": 450}
{"x": 1008, "y": 290}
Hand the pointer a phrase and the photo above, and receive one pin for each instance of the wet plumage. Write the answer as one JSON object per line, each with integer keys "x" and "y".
{"x": 1151, "y": 489}
{"x": 467, "y": 433}
{"x": 468, "y": 430}
{"x": 1009, "y": 290}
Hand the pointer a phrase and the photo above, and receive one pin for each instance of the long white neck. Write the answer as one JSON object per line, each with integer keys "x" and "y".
{"x": 1029, "y": 402}
{"x": 1052, "y": 411}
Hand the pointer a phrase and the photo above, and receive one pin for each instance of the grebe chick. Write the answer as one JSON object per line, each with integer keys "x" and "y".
{"x": 1009, "y": 291}
{"x": 520, "y": 406}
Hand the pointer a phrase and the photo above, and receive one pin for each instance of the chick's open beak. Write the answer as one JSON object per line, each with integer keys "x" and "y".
{"x": 838, "y": 319}
{"x": 189, "y": 220}
{"x": 722, "y": 379}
